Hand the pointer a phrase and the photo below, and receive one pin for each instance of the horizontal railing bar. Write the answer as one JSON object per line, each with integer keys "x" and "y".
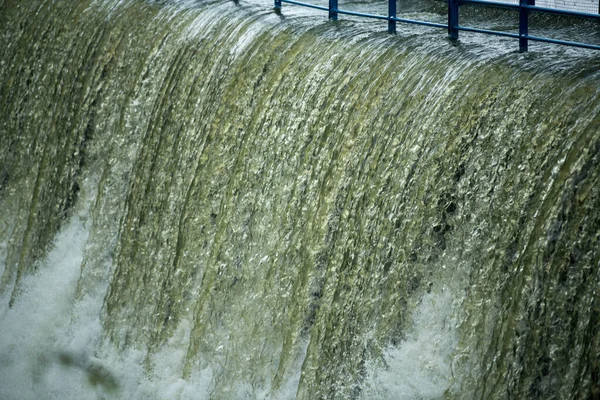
{"x": 357, "y": 14}
{"x": 534, "y": 38}
{"x": 496, "y": 4}
{"x": 374, "y": 16}
{"x": 490, "y": 4}
{"x": 489, "y": 32}
{"x": 424, "y": 23}
{"x": 470, "y": 29}
{"x": 385, "y": 18}
{"x": 299, "y": 3}
{"x": 555, "y": 41}
{"x": 478, "y": 2}
{"x": 561, "y": 12}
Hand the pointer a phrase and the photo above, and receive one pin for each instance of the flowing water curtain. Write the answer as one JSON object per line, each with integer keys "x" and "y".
{"x": 307, "y": 210}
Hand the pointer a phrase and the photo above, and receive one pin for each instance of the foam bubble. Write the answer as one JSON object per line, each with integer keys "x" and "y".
{"x": 420, "y": 367}
{"x": 35, "y": 329}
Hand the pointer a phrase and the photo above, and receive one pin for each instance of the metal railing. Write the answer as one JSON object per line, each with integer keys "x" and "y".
{"x": 524, "y": 8}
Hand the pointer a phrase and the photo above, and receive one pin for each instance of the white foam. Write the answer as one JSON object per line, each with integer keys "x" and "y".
{"x": 52, "y": 344}
{"x": 33, "y": 329}
{"x": 420, "y": 367}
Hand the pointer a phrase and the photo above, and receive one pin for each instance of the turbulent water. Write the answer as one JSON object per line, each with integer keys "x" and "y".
{"x": 212, "y": 201}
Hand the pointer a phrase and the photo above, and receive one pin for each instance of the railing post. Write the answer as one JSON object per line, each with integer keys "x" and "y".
{"x": 453, "y": 19}
{"x": 391, "y": 14}
{"x": 523, "y": 25}
{"x": 277, "y": 5}
{"x": 333, "y": 7}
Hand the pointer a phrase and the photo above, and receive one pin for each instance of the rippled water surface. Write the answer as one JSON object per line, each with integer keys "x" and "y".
{"x": 210, "y": 200}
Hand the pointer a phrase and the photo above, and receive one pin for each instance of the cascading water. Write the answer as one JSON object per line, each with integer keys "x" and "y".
{"x": 205, "y": 200}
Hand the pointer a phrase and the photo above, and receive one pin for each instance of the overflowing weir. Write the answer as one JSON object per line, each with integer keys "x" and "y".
{"x": 208, "y": 200}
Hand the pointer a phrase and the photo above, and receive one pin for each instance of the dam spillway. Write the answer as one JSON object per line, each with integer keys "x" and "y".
{"x": 204, "y": 200}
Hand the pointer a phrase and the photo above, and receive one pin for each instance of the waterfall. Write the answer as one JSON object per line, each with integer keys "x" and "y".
{"x": 207, "y": 200}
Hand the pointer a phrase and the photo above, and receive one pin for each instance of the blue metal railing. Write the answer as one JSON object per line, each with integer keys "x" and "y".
{"x": 524, "y": 8}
